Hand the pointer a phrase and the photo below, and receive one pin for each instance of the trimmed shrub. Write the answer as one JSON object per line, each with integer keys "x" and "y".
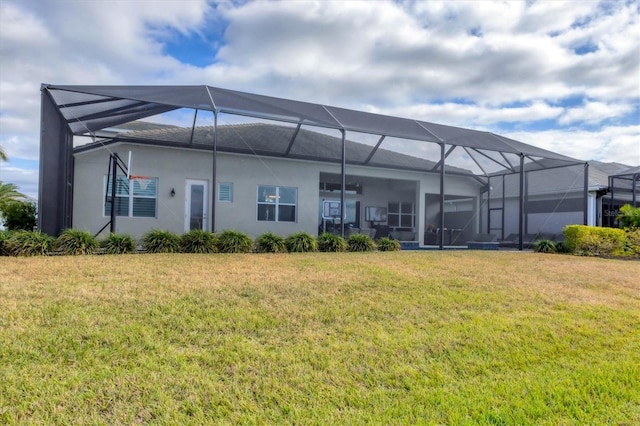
{"x": 270, "y": 243}
{"x": 232, "y": 241}
{"x": 4, "y": 236}
{"x": 360, "y": 242}
{"x": 594, "y": 241}
{"x": 161, "y": 241}
{"x": 632, "y": 245}
{"x": 301, "y": 242}
{"x": 199, "y": 241}
{"x": 388, "y": 244}
{"x": 545, "y": 246}
{"x": 118, "y": 244}
{"x": 329, "y": 242}
{"x": 76, "y": 242}
{"x": 29, "y": 243}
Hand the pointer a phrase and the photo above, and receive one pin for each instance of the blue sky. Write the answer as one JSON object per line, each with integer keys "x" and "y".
{"x": 562, "y": 75}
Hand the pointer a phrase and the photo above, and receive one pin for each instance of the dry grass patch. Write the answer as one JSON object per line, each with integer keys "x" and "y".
{"x": 388, "y": 338}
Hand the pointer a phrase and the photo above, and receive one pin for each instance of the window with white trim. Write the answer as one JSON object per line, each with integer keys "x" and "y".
{"x": 225, "y": 192}
{"x": 277, "y": 203}
{"x": 401, "y": 214}
{"x": 134, "y": 198}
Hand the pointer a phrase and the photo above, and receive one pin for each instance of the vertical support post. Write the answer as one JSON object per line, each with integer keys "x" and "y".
{"x": 343, "y": 186}
{"x": 488, "y": 206}
{"x": 503, "y": 208}
{"x": 114, "y": 183}
{"x": 526, "y": 203}
{"x": 634, "y": 188}
{"x": 521, "y": 206}
{"x": 586, "y": 194}
{"x": 214, "y": 171}
{"x": 442, "y": 158}
{"x": 610, "y": 212}
{"x": 56, "y": 169}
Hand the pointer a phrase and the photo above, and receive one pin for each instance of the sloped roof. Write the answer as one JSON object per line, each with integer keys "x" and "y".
{"x": 628, "y": 172}
{"x": 273, "y": 140}
{"x": 87, "y": 109}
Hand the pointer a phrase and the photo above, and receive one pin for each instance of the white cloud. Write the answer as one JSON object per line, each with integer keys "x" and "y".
{"x": 609, "y": 144}
{"x": 25, "y": 179}
{"x": 595, "y": 112}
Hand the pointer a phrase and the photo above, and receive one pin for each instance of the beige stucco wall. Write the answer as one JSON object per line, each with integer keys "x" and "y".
{"x": 174, "y": 166}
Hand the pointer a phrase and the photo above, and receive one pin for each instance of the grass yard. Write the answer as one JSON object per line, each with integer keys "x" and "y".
{"x": 461, "y": 337}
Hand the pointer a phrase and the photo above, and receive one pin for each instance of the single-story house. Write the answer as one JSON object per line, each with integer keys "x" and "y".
{"x": 185, "y": 157}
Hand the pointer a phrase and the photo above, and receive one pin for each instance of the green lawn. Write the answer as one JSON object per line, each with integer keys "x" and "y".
{"x": 460, "y": 337}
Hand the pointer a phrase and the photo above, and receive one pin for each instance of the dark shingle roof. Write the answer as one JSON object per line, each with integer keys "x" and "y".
{"x": 275, "y": 140}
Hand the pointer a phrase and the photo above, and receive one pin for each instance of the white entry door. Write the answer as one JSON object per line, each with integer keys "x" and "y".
{"x": 195, "y": 212}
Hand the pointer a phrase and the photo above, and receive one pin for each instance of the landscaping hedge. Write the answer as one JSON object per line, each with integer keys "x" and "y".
{"x": 595, "y": 241}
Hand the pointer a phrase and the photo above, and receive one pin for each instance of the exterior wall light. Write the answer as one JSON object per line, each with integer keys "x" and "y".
{"x": 173, "y": 192}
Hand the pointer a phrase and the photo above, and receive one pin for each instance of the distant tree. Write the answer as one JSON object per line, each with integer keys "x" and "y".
{"x": 19, "y": 215}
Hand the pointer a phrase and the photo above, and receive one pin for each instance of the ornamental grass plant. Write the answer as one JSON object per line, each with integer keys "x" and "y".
{"x": 544, "y": 246}
{"x": 301, "y": 242}
{"x": 360, "y": 243}
{"x": 4, "y": 236}
{"x": 232, "y": 241}
{"x": 270, "y": 243}
{"x": 76, "y": 242}
{"x": 161, "y": 241}
{"x": 388, "y": 244}
{"x": 116, "y": 243}
{"x": 328, "y": 242}
{"x": 29, "y": 243}
{"x": 199, "y": 241}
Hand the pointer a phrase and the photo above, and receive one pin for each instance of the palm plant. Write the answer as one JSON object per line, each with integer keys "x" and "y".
{"x": 8, "y": 193}
{"x": 3, "y": 155}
